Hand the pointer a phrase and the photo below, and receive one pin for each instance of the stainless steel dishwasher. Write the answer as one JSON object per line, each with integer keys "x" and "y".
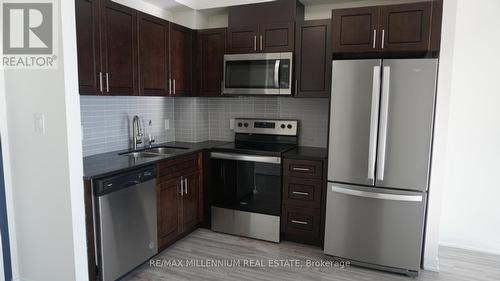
{"x": 125, "y": 221}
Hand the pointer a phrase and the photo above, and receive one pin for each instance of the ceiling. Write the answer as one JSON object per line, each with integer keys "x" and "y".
{"x": 179, "y": 5}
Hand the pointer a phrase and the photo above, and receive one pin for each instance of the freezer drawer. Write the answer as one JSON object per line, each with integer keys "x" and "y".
{"x": 374, "y": 226}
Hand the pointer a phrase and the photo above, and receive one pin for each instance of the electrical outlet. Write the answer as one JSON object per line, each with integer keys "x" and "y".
{"x": 39, "y": 122}
{"x": 231, "y": 123}
{"x": 167, "y": 124}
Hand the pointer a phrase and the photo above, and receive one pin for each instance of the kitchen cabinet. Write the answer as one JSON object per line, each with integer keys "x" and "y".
{"x": 181, "y": 53}
{"x": 119, "y": 49}
{"x": 211, "y": 44}
{"x": 267, "y": 38}
{"x": 153, "y": 56}
{"x": 107, "y": 49}
{"x": 88, "y": 42}
{"x": 313, "y": 59}
{"x": 303, "y": 202}
{"x": 179, "y": 197}
{"x": 387, "y": 29}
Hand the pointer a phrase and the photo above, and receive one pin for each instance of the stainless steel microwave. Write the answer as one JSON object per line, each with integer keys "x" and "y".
{"x": 258, "y": 74}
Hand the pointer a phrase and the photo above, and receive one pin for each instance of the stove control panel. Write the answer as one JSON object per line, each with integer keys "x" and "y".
{"x": 267, "y": 127}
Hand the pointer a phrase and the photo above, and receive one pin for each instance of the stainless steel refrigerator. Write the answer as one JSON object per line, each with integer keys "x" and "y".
{"x": 381, "y": 126}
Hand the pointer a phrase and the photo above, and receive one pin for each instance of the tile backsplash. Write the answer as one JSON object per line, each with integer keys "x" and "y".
{"x": 107, "y": 121}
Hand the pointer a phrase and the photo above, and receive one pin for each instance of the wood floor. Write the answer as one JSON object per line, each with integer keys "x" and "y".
{"x": 203, "y": 245}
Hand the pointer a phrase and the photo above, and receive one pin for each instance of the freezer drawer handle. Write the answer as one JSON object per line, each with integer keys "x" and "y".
{"x": 299, "y": 222}
{"x": 381, "y": 196}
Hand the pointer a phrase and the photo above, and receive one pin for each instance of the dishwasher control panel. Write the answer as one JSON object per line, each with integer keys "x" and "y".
{"x": 123, "y": 180}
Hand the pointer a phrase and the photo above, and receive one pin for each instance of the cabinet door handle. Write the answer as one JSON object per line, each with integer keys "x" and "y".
{"x": 296, "y": 86}
{"x": 100, "y": 82}
{"x": 182, "y": 186}
{"x": 374, "y": 38}
{"x": 301, "y": 169}
{"x": 300, "y": 193}
{"x": 174, "y": 87}
{"x": 169, "y": 86}
{"x": 383, "y": 37}
{"x": 185, "y": 186}
{"x": 299, "y": 222}
{"x": 107, "y": 82}
{"x": 261, "y": 42}
{"x": 255, "y": 42}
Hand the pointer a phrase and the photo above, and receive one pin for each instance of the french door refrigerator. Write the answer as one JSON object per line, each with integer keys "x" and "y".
{"x": 381, "y": 125}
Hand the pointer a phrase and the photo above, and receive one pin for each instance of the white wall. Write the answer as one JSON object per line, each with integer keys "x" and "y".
{"x": 470, "y": 215}
{"x": 45, "y": 171}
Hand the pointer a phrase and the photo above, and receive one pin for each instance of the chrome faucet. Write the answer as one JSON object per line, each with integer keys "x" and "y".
{"x": 136, "y": 132}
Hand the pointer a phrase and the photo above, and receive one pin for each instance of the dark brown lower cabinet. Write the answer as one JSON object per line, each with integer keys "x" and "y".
{"x": 179, "y": 197}
{"x": 313, "y": 58}
{"x": 303, "y": 207}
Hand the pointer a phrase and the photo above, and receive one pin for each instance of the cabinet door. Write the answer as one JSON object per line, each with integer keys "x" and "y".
{"x": 119, "y": 29}
{"x": 313, "y": 64}
{"x": 180, "y": 59}
{"x": 210, "y": 70}
{"x": 153, "y": 56}
{"x": 168, "y": 203}
{"x": 191, "y": 200}
{"x": 276, "y": 37}
{"x": 406, "y": 27}
{"x": 88, "y": 44}
{"x": 242, "y": 40}
{"x": 355, "y": 30}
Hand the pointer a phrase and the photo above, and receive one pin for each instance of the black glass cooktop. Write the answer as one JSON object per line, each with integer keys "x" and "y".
{"x": 256, "y": 148}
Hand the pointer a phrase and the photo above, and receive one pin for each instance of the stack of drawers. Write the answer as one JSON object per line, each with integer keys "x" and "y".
{"x": 302, "y": 201}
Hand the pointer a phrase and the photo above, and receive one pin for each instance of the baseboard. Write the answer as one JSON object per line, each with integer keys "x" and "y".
{"x": 432, "y": 264}
{"x": 469, "y": 248}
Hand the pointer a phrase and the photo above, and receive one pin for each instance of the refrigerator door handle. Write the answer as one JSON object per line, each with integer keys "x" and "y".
{"x": 383, "y": 122}
{"x": 373, "y": 122}
{"x": 381, "y": 196}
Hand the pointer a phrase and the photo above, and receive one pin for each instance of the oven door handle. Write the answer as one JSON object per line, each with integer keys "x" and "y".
{"x": 246, "y": 157}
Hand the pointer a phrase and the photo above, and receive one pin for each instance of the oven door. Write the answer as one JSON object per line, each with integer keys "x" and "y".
{"x": 246, "y": 183}
{"x": 258, "y": 74}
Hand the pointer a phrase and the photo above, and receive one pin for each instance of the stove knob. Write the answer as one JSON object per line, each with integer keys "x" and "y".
{"x": 289, "y": 126}
{"x": 240, "y": 124}
{"x": 283, "y": 126}
{"x": 246, "y": 125}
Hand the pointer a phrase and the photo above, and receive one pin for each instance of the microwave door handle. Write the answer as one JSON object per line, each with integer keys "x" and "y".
{"x": 277, "y": 74}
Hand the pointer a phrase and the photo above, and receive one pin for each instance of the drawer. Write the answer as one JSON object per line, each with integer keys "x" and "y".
{"x": 302, "y": 192}
{"x": 303, "y": 168}
{"x": 177, "y": 167}
{"x": 301, "y": 225}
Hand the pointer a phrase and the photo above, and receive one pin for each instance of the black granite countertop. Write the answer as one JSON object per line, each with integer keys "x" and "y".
{"x": 307, "y": 153}
{"x": 105, "y": 164}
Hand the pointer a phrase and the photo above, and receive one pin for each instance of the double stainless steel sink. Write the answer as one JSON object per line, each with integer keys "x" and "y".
{"x": 152, "y": 152}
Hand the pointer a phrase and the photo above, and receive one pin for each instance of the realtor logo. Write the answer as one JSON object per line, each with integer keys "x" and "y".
{"x": 28, "y": 34}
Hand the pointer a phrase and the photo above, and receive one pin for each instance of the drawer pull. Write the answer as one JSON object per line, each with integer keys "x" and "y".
{"x": 299, "y": 222}
{"x": 301, "y": 169}
{"x": 300, "y": 193}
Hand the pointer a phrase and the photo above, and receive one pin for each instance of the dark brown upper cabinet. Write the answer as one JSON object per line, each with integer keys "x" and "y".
{"x": 181, "y": 53}
{"x": 264, "y": 27}
{"x": 119, "y": 49}
{"x": 313, "y": 58}
{"x": 89, "y": 46}
{"x": 355, "y": 30}
{"x": 406, "y": 28}
{"x": 153, "y": 56}
{"x": 107, "y": 48}
{"x": 209, "y": 70}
